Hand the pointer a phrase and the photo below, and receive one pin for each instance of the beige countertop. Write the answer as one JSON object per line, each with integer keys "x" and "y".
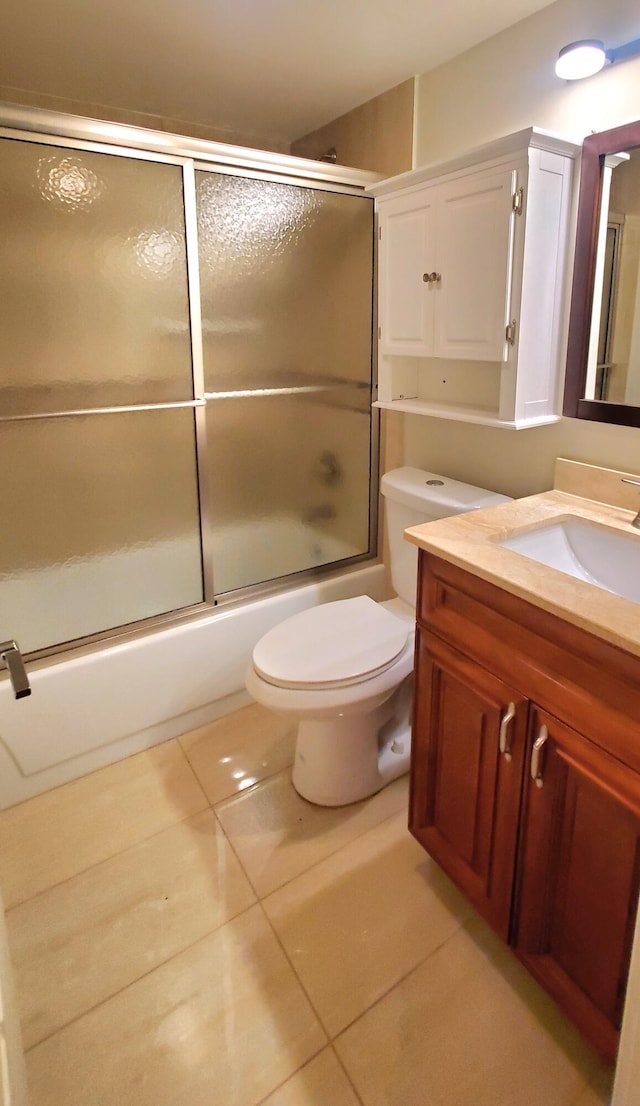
{"x": 470, "y": 541}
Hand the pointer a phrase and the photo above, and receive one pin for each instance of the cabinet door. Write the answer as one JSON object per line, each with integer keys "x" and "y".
{"x": 465, "y": 791}
{"x": 579, "y": 869}
{"x": 474, "y": 250}
{"x": 407, "y": 254}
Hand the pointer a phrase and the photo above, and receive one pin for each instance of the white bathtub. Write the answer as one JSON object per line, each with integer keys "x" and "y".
{"x": 87, "y": 711}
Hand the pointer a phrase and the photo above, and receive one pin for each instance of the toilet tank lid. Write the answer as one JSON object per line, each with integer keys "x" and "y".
{"x": 431, "y": 493}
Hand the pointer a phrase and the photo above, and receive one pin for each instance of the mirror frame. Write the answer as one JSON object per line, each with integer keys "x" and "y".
{"x": 594, "y": 150}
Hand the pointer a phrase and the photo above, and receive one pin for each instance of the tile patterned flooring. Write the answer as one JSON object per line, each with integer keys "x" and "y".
{"x": 186, "y": 929}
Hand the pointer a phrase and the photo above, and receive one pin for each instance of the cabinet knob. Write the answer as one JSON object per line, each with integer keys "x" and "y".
{"x": 432, "y": 278}
{"x": 536, "y": 756}
{"x": 508, "y": 716}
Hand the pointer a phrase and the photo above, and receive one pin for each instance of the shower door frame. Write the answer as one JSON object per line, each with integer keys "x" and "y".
{"x": 94, "y": 136}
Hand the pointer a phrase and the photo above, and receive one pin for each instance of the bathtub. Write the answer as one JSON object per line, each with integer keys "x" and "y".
{"x": 91, "y": 709}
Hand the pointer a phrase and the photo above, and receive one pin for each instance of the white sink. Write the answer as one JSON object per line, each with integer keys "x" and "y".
{"x": 599, "y": 554}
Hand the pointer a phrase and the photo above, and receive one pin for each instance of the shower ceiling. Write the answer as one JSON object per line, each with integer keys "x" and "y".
{"x": 275, "y": 68}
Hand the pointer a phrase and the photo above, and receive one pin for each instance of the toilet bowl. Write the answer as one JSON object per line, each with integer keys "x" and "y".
{"x": 344, "y": 670}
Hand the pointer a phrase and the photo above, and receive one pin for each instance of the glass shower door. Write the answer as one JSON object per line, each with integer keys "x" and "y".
{"x": 286, "y": 279}
{"x": 99, "y": 491}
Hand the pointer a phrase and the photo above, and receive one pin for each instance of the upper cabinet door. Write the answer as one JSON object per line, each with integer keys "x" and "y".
{"x": 474, "y": 250}
{"x": 445, "y": 269}
{"x": 406, "y": 300}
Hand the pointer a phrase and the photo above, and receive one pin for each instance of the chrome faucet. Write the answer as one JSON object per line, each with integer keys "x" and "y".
{"x": 322, "y": 513}
{"x": 11, "y": 659}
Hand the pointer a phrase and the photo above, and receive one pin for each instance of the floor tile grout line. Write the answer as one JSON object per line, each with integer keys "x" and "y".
{"x": 247, "y": 790}
{"x": 193, "y": 771}
{"x": 241, "y": 790}
{"x": 401, "y": 979}
{"x": 106, "y": 859}
{"x": 290, "y": 879}
{"x": 179, "y": 821}
{"x": 291, "y": 1076}
{"x": 332, "y": 1038}
{"x": 235, "y": 853}
{"x": 347, "y": 1074}
{"x": 133, "y": 982}
{"x": 297, "y": 977}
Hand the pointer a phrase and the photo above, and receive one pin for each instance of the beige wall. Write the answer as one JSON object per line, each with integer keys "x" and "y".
{"x": 377, "y": 135}
{"x": 131, "y": 118}
{"x": 505, "y": 84}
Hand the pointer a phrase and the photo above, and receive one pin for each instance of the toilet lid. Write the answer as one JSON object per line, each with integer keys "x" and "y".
{"x": 332, "y": 645}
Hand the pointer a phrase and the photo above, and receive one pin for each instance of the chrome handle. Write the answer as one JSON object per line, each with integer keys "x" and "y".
{"x": 536, "y": 756}
{"x": 507, "y": 717}
{"x": 198, "y": 402}
{"x": 11, "y": 659}
{"x": 628, "y": 480}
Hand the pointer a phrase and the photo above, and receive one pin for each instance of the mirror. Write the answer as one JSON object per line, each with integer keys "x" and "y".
{"x": 603, "y": 355}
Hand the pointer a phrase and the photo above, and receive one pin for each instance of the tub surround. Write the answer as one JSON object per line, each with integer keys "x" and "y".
{"x": 583, "y": 491}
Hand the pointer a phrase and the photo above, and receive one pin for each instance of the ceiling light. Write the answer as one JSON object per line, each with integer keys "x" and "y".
{"x": 580, "y": 59}
{"x": 588, "y": 55}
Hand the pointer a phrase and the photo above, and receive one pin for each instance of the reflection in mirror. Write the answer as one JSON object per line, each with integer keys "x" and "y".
{"x": 614, "y": 354}
{"x": 603, "y": 358}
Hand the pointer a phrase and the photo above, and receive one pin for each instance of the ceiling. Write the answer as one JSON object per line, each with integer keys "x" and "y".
{"x": 274, "y": 68}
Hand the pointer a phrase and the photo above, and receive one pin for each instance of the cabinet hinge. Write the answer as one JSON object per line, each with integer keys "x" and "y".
{"x": 379, "y": 333}
{"x": 510, "y": 332}
{"x": 517, "y": 201}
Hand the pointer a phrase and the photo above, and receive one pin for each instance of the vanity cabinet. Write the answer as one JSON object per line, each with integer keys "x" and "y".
{"x": 472, "y": 261}
{"x": 525, "y": 784}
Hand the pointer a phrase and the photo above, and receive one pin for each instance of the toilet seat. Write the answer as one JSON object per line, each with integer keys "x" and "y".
{"x": 331, "y": 646}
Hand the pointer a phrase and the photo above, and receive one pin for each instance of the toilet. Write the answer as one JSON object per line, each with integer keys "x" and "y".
{"x": 344, "y": 670}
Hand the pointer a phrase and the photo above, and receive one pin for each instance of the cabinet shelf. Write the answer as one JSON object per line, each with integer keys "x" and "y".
{"x": 461, "y": 414}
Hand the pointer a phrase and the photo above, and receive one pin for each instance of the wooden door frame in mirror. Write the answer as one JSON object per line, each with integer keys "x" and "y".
{"x": 594, "y": 150}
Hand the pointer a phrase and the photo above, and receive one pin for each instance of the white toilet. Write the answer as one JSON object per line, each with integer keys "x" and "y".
{"x": 344, "y": 669}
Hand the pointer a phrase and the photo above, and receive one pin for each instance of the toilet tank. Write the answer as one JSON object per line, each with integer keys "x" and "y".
{"x": 413, "y": 497}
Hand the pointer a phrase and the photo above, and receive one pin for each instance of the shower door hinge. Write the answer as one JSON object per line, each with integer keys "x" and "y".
{"x": 517, "y": 201}
{"x": 510, "y": 333}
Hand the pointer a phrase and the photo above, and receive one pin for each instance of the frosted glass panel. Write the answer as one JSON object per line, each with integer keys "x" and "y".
{"x": 100, "y": 523}
{"x": 93, "y": 280}
{"x": 286, "y": 279}
{"x": 290, "y": 488}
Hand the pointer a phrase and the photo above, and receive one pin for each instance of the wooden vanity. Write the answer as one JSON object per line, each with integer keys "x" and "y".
{"x": 525, "y": 777}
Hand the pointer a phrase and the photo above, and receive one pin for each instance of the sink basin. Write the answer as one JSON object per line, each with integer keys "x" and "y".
{"x": 599, "y": 554}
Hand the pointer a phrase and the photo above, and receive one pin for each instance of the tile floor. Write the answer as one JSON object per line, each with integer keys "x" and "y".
{"x": 186, "y": 929}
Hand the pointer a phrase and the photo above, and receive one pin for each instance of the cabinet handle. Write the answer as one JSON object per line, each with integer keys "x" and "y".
{"x": 507, "y": 717}
{"x": 536, "y": 756}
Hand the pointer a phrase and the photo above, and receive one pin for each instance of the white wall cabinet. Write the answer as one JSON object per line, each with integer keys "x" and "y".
{"x": 472, "y": 270}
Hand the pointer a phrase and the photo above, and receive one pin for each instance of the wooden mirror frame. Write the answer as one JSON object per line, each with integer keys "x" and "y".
{"x": 594, "y": 150}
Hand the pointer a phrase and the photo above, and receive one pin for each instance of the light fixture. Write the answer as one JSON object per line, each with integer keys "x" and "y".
{"x": 588, "y": 55}
{"x": 580, "y": 59}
